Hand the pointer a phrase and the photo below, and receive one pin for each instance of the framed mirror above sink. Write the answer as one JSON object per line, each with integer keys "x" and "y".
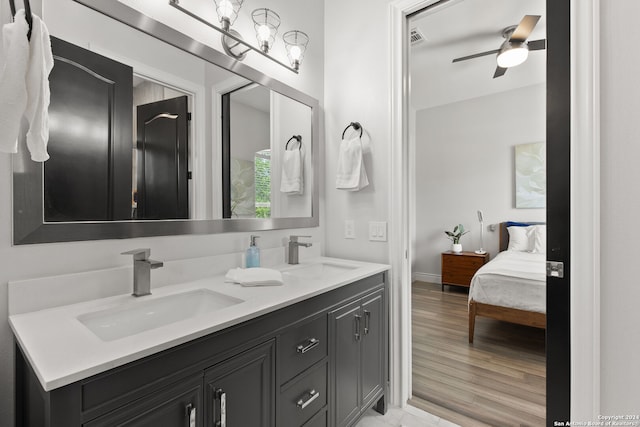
{"x": 153, "y": 133}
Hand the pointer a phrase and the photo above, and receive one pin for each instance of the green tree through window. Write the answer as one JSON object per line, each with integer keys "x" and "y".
{"x": 263, "y": 183}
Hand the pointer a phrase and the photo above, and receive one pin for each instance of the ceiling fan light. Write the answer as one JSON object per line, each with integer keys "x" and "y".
{"x": 512, "y": 54}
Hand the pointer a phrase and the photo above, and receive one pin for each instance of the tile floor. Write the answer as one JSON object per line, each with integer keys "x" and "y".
{"x": 409, "y": 417}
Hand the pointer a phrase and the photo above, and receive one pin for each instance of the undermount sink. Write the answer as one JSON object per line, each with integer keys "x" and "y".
{"x": 319, "y": 270}
{"x": 139, "y": 316}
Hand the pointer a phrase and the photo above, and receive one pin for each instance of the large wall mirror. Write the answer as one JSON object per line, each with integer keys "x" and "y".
{"x": 153, "y": 133}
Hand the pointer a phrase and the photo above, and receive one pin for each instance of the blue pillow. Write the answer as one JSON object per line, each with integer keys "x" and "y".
{"x": 517, "y": 224}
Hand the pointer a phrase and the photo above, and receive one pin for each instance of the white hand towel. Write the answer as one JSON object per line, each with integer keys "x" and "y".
{"x": 13, "y": 91}
{"x": 291, "y": 181}
{"x": 38, "y": 94}
{"x": 254, "y": 276}
{"x": 351, "y": 174}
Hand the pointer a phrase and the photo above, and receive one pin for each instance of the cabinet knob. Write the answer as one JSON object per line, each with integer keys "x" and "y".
{"x": 367, "y": 321}
{"x": 191, "y": 415}
{"x": 222, "y": 397}
{"x": 357, "y": 334}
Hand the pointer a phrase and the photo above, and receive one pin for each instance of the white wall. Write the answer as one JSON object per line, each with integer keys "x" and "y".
{"x": 357, "y": 75}
{"x": 465, "y": 162}
{"x": 620, "y": 209}
{"x": 29, "y": 261}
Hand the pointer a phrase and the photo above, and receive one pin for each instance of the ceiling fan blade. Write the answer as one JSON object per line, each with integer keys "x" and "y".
{"x": 524, "y": 28}
{"x": 476, "y": 55}
{"x": 499, "y": 72}
{"x": 537, "y": 44}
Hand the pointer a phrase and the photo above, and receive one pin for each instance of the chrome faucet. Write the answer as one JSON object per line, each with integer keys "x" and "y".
{"x": 142, "y": 266}
{"x": 293, "y": 248}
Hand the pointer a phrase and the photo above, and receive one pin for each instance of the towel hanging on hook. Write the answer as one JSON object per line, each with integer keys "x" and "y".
{"x": 355, "y": 125}
{"x": 297, "y": 138}
{"x": 27, "y": 14}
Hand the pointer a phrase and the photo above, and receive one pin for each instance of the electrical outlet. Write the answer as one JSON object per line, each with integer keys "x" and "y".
{"x": 349, "y": 229}
{"x": 377, "y": 231}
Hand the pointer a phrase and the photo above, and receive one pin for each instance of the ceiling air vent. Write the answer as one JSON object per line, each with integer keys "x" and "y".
{"x": 416, "y": 37}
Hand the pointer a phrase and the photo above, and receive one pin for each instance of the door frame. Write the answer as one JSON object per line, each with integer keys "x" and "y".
{"x": 584, "y": 205}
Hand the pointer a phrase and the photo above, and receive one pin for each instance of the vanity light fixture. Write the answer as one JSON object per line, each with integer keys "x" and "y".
{"x": 512, "y": 53}
{"x": 295, "y": 43}
{"x": 266, "y": 23}
{"x": 227, "y": 11}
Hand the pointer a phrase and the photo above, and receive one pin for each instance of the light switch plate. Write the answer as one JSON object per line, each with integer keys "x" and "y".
{"x": 377, "y": 231}
{"x": 349, "y": 229}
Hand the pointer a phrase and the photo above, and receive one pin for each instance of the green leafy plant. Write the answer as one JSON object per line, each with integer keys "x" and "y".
{"x": 456, "y": 234}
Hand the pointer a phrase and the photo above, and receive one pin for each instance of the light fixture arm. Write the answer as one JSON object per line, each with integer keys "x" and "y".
{"x": 229, "y": 34}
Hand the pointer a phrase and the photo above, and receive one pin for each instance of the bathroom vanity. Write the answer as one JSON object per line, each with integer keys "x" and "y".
{"x": 313, "y": 352}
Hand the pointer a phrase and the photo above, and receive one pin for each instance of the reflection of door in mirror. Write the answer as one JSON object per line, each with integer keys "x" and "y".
{"x": 162, "y": 163}
{"x": 87, "y": 175}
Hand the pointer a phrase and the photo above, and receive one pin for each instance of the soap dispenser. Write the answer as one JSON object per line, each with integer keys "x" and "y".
{"x": 253, "y": 253}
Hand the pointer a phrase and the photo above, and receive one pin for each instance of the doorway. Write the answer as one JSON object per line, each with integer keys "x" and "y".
{"x": 558, "y": 216}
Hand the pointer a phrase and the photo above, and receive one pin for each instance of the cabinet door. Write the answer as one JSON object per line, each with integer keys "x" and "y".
{"x": 372, "y": 346}
{"x": 346, "y": 330}
{"x": 241, "y": 390}
{"x": 177, "y": 405}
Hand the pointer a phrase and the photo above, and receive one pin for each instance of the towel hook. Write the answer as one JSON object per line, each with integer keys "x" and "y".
{"x": 27, "y": 14}
{"x": 297, "y": 138}
{"x": 355, "y": 125}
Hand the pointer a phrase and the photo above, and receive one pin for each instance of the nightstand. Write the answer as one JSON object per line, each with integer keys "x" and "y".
{"x": 459, "y": 268}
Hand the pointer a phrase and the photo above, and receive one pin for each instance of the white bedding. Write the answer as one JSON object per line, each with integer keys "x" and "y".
{"x": 512, "y": 279}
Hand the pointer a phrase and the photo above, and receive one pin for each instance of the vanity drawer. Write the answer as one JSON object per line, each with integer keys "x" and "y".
{"x": 304, "y": 397}
{"x": 301, "y": 347}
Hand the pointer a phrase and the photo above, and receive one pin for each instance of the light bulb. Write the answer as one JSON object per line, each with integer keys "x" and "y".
{"x": 264, "y": 33}
{"x": 225, "y": 9}
{"x": 511, "y": 57}
{"x": 295, "y": 53}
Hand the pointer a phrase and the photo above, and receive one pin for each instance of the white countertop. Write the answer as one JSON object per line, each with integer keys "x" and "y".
{"x": 62, "y": 350}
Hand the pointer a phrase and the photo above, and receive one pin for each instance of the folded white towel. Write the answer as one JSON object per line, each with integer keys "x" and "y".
{"x": 38, "y": 94}
{"x": 254, "y": 276}
{"x": 351, "y": 174}
{"x": 13, "y": 91}
{"x": 291, "y": 181}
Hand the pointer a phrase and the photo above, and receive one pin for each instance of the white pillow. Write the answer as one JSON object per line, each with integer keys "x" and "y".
{"x": 520, "y": 239}
{"x": 539, "y": 238}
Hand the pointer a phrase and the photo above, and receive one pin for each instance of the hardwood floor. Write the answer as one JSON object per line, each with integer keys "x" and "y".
{"x": 499, "y": 380}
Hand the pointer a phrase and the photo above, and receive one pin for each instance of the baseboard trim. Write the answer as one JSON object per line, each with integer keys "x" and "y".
{"x": 426, "y": 277}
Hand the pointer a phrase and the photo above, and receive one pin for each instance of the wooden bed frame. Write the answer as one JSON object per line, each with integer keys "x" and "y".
{"x": 507, "y": 314}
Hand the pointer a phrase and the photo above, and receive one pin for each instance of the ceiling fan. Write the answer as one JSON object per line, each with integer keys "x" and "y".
{"x": 515, "y": 48}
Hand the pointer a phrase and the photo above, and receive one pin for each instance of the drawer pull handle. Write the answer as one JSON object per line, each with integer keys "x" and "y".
{"x": 367, "y": 321}
{"x": 312, "y": 395}
{"x": 357, "y": 334}
{"x": 313, "y": 343}
{"x": 191, "y": 415}
{"x": 222, "y": 396}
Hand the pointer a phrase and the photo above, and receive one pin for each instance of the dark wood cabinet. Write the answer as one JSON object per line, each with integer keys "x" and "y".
{"x": 319, "y": 362}
{"x": 241, "y": 391}
{"x": 358, "y": 357}
{"x": 177, "y": 405}
{"x": 458, "y": 268}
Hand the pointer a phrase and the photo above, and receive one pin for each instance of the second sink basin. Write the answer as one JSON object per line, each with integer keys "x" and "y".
{"x": 319, "y": 270}
{"x": 139, "y": 316}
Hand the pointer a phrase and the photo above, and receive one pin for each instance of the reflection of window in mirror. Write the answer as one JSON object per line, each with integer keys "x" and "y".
{"x": 247, "y": 147}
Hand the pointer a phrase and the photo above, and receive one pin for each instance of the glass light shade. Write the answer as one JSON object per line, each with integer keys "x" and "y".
{"x": 295, "y": 43}
{"x": 227, "y": 11}
{"x": 512, "y": 54}
{"x": 266, "y": 23}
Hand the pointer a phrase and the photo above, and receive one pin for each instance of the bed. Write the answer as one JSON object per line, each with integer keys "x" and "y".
{"x": 511, "y": 287}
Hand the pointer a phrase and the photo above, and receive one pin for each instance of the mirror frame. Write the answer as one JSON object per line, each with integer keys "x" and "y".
{"x": 28, "y": 181}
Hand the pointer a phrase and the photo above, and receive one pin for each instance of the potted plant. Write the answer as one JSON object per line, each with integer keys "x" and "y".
{"x": 454, "y": 236}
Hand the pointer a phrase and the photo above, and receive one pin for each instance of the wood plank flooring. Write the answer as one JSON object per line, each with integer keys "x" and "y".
{"x": 499, "y": 380}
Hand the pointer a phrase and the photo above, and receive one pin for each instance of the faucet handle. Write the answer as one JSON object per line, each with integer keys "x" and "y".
{"x": 141, "y": 254}
{"x": 294, "y": 238}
